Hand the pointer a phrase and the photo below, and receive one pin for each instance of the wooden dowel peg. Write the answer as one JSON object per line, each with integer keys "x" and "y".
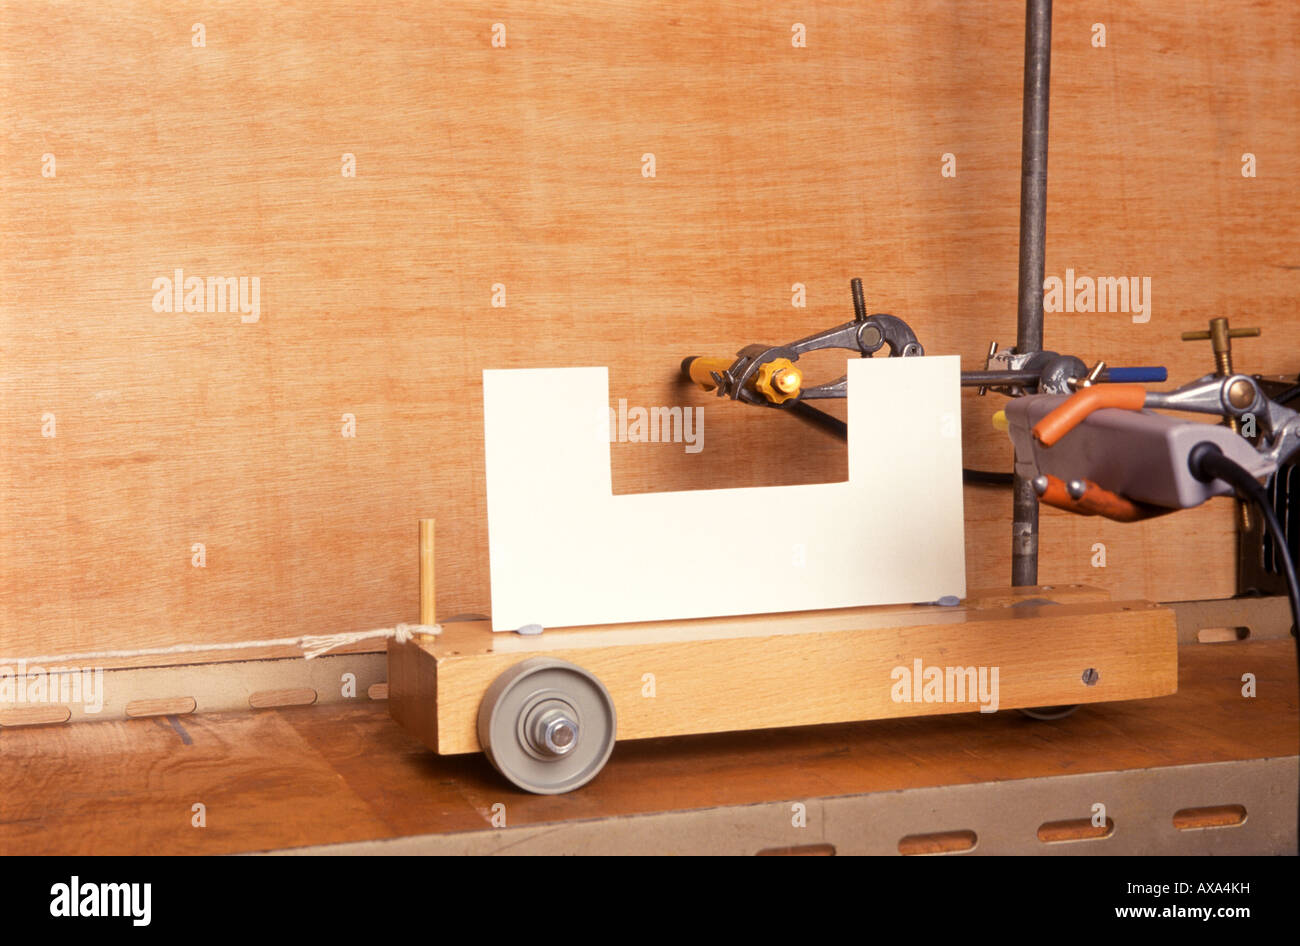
{"x": 427, "y": 613}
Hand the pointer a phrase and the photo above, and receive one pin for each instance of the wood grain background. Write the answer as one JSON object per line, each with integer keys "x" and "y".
{"x": 480, "y": 165}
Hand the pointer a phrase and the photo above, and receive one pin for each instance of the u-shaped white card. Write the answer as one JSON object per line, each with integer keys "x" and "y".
{"x": 566, "y": 551}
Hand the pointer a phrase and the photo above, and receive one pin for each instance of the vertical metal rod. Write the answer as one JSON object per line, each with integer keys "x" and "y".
{"x": 1033, "y": 248}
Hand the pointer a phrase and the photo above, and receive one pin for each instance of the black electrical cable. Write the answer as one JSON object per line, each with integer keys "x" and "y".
{"x": 986, "y": 477}
{"x": 1207, "y": 462}
{"x": 837, "y": 428}
{"x": 819, "y": 418}
{"x": 1289, "y": 395}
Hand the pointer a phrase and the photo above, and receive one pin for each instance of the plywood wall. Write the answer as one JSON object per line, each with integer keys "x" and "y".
{"x": 522, "y": 166}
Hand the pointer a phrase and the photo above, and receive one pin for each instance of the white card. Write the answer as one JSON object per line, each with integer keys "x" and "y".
{"x": 566, "y": 551}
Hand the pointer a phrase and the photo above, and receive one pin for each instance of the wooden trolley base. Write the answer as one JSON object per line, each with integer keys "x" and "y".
{"x": 757, "y": 672}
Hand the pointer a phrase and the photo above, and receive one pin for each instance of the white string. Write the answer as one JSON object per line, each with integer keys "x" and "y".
{"x": 313, "y": 645}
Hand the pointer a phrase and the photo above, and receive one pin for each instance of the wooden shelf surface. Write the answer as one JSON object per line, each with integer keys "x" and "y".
{"x": 290, "y": 778}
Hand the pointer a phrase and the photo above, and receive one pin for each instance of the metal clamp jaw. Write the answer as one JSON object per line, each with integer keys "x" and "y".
{"x": 866, "y": 337}
{"x": 768, "y": 375}
{"x": 1271, "y": 430}
{"x": 743, "y": 380}
{"x": 1016, "y": 373}
{"x": 1237, "y": 396}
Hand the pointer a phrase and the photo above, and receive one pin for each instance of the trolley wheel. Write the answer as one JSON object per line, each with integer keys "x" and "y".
{"x": 547, "y": 725}
{"x": 1045, "y": 713}
{"x": 1050, "y": 712}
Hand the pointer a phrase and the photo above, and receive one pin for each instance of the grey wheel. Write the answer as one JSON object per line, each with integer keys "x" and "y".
{"x": 1045, "y": 713}
{"x": 547, "y": 725}
{"x": 1048, "y": 713}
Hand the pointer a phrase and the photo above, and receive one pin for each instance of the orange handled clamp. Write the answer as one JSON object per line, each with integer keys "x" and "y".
{"x": 701, "y": 370}
{"x": 1083, "y": 402}
{"x": 778, "y": 380}
{"x": 1093, "y": 500}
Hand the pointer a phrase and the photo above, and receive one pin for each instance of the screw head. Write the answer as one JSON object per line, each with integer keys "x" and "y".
{"x": 561, "y": 736}
{"x": 787, "y": 380}
{"x": 1241, "y": 394}
{"x": 870, "y": 337}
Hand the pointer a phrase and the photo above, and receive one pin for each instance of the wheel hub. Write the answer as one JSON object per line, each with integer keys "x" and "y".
{"x": 547, "y": 725}
{"x": 552, "y": 728}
